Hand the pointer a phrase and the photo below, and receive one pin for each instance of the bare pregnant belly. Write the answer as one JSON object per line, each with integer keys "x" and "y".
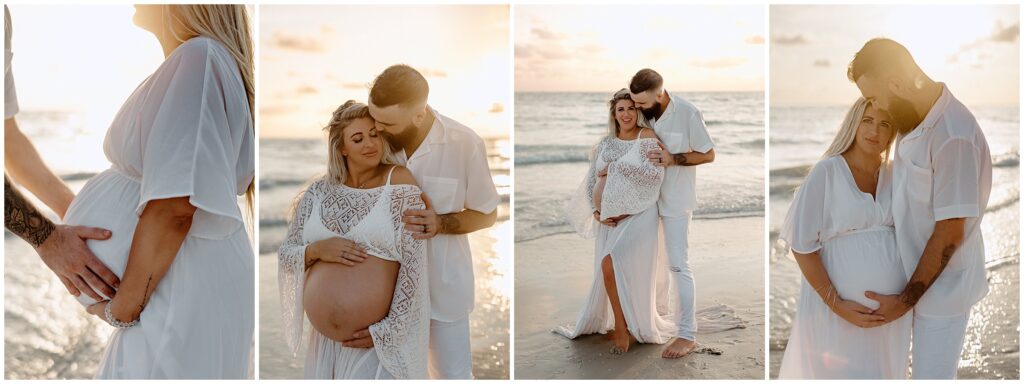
{"x": 340, "y": 300}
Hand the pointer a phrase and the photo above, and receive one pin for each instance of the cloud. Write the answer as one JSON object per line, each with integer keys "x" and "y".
{"x": 790, "y": 40}
{"x": 496, "y": 108}
{"x": 275, "y": 110}
{"x": 822, "y": 63}
{"x": 723, "y": 62}
{"x": 1006, "y": 34}
{"x": 754, "y": 40}
{"x": 353, "y": 86}
{"x": 1000, "y": 34}
{"x": 307, "y": 90}
{"x": 429, "y": 72}
{"x": 546, "y": 34}
{"x": 524, "y": 51}
{"x": 295, "y": 43}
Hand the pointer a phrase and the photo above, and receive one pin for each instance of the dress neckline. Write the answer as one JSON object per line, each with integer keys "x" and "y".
{"x": 853, "y": 180}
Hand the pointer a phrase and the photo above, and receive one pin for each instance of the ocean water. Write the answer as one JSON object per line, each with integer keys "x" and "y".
{"x": 555, "y": 132}
{"x": 287, "y": 165}
{"x": 47, "y": 334}
{"x": 799, "y": 135}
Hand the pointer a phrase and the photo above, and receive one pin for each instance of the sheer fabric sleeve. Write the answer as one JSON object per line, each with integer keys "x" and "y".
{"x": 804, "y": 225}
{"x": 198, "y": 139}
{"x": 579, "y": 210}
{"x": 634, "y": 183}
{"x": 291, "y": 269}
{"x": 402, "y": 337}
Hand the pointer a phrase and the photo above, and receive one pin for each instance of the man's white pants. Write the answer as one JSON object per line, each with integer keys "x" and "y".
{"x": 677, "y": 233}
{"x": 937, "y": 344}
{"x": 450, "y": 354}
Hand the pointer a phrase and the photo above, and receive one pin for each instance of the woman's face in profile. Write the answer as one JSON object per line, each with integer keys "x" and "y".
{"x": 149, "y": 17}
{"x": 361, "y": 143}
{"x": 625, "y": 113}
{"x": 875, "y": 130}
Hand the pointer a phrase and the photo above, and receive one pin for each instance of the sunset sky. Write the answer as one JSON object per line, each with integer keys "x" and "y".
{"x": 313, "y": 58}
{"x": 973, "y": 49}
{"x": 599, "y": 47}
{"x": 79, "y": 57}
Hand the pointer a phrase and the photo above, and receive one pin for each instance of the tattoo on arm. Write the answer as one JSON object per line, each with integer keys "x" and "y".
{"x": 449, "y": 223}
{"x": 145, "y": 299}
{"x": 679, "y": 158}
{"x": 21, "y": 218}
{"x": 916, "y": 289}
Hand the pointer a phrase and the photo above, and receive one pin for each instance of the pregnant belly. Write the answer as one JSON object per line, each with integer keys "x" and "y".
{"x": 864, "y": 262}
{"x": 107, "y": 201}
{"x": 340, "y": 300}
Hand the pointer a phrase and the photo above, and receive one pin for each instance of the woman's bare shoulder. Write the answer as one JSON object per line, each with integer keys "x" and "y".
{"x": 402, "y": 176}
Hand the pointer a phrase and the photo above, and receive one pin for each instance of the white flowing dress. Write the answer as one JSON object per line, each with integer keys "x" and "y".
{"x": 373, "y": 219}
{"x": 641, "y": 274}
{"x": 185, "y": 131}
{"x": 856, "y": 241}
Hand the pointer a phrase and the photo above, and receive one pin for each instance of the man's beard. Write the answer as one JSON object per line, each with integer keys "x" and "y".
{"x": 653, "y": 112}
{"x": 904, "y": 114}
{"x": 402, "y": 139}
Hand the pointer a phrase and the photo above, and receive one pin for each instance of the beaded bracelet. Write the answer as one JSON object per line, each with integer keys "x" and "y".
{"x": 115, "y": 322}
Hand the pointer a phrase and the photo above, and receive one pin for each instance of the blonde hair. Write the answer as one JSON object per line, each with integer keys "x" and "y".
{"x": 848, "y": 131}
{"x": 352, "y": 110}
{"x": 228, "y": 24}
{"x": 613, "y": 125}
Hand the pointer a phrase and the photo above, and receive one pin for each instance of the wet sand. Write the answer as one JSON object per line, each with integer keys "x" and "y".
{"x": 552, "y": 277}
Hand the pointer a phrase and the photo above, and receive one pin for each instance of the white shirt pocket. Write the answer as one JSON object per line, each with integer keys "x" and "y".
{"x": 677, "y": 142}
{"x": 441, "y": 191}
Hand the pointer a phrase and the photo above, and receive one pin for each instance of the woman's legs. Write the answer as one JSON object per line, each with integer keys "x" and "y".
{"x": 621, "y": 334}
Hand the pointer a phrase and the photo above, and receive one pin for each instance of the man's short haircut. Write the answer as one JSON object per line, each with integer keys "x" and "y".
{"x": 399, "y": 84}
{"x": 645, "y": 80}
{"x": 880, "y": 56}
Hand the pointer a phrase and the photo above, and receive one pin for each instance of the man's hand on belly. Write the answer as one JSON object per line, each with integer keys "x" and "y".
{"x": 360, "y": 339}
{"x": 67, "y": 255}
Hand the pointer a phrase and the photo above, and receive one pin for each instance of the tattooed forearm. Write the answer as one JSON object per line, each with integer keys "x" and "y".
{"x": 930, "y": 266}
{"x": 449, "y": 224}
{"x": 22, "y": 219}
{"x": 690, "y": 159}
{"x": 679, "y": 158}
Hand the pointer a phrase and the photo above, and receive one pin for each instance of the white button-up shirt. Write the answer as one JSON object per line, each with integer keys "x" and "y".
{"x": 681, "y": 128}
{"x": 451, "y": 167}
{"x": 10, "y": 95}
{"x": 943, "y": 170}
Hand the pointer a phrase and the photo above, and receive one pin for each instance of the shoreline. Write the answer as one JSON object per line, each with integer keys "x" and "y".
{"x": 553, "y": 276}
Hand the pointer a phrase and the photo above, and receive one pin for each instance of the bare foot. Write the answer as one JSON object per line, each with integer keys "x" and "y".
{"x": 678, "y": 348}
{"x": 621, "y": 340}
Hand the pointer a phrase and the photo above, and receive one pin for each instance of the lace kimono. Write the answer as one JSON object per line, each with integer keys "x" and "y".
{"x": 632, "y": 183}
{"x": 401, "y": 338}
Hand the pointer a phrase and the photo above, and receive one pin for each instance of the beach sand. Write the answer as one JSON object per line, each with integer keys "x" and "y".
{"x": 554, "y": 273}
{"x": 489, "y": 322}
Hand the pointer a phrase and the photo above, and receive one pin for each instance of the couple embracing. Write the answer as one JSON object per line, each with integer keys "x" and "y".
{"x": 890, "y": 250}
{"x": 637, "y": 199}
{"x": 376, "y": 255}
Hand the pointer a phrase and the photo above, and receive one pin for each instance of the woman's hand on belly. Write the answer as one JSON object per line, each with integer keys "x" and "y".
{"x": 335, "y": 250}
{"x": 857, "y": 314}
